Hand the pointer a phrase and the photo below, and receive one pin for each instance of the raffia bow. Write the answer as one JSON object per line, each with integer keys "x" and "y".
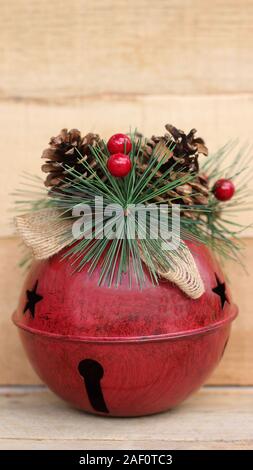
{"x": 46, "y": 233}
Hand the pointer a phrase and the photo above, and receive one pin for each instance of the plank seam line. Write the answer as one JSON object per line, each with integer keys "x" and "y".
{"x": 248, "y": 441}
{"x": 66, "y": 100}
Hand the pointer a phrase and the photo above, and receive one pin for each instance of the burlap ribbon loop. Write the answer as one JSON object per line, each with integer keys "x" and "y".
{"x": 46, "y": 232}
{"x": 185, "y": 273}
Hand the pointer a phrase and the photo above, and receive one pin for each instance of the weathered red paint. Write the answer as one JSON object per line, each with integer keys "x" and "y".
{"x": 156, "y": 346}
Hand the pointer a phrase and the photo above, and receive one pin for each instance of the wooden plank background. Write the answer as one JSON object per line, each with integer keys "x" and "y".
{"x": 54, "y": 50}
{"x": 102, "y": 65}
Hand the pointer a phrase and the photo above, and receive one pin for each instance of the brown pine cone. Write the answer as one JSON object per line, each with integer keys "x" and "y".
{"x": 71, "y": 149}
{"x": 182, "y": 161}
{"x": 193, "y": 193}
{"x": 186, "y": 150}
{"x": 186, "y": 145}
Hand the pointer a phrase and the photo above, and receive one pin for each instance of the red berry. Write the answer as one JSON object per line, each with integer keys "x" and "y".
{"x": 224, "y": 189}
{"x": 119, "y": 164}
{"x": 119, "y": 143}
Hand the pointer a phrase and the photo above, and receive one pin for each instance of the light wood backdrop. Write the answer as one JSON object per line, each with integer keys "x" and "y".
{"x": 102, "y": 65}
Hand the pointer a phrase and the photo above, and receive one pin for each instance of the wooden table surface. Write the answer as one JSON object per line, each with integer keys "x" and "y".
{"x": 214, "y": 418}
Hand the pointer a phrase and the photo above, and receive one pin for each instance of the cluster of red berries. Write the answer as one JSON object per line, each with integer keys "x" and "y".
{"x": 119, "y": 163}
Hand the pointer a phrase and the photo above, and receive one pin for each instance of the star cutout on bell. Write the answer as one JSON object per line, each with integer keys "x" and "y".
{"x": 220, "y": 290}
{"x": 33, "y": 298}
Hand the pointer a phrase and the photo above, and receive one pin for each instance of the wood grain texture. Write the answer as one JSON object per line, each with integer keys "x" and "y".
{"x": 215, "y": 418}
{"x": 217, "y": 118}
{"x": 77, "y": 444}
{"x": 53, "y": 50}
{"x": 235, "y": 367}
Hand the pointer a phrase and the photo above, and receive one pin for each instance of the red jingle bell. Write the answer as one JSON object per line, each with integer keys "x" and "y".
{"x": 119, "y": 165}
{"x": 224, "y": 189}
{"x": 120, "y": 351}
{"x": 119, "y": 143}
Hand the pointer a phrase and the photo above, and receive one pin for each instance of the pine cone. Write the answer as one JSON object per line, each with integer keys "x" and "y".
{"x": 182, "y": 161}
{"x": 192, "y": 193}
{"x": 186, "y": 150}
{"x": 71, "y": 149}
